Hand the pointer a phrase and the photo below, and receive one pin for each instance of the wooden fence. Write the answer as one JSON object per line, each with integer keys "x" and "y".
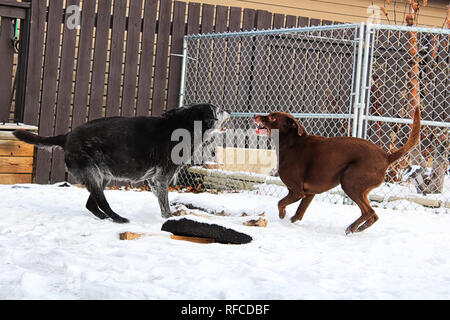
{"x": 121, "y": 61}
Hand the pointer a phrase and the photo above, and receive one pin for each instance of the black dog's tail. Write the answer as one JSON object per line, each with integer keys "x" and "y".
{"x": 39, "y": 141}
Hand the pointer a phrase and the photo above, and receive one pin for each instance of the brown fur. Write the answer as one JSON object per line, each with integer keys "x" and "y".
{"x": 310, "y": 164}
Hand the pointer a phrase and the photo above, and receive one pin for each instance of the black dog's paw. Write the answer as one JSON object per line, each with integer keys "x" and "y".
{"x": 120, "y": 220}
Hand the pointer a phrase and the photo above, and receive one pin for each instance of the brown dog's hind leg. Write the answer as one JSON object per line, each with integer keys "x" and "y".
{"x": 283, "y": 203}
{"x": 368, "y": 223}
{"x": 368, "y": 215}
{"x": 357, "y": 186}
{"x": 304, "y": 204}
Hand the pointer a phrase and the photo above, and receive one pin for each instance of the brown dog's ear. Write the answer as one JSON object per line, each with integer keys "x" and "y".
{"x": 293, "y": 123}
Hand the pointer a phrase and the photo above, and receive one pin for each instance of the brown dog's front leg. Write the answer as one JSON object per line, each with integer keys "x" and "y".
{"x": 290, "y": 198}
{"x": 302, "y": 208}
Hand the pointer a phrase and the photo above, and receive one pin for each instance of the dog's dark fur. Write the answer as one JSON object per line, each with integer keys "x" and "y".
{"x": 133, "y": 149}
{"x": 309, "y": 165}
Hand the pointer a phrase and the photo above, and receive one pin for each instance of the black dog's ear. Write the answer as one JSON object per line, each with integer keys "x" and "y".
{"x": 294, "y": 124}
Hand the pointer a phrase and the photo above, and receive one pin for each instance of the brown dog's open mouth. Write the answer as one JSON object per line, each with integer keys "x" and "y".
{"x": 262, "y": 131}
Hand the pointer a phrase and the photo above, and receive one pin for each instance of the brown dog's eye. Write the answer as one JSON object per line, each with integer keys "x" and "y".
{"x": 271, "y": 118}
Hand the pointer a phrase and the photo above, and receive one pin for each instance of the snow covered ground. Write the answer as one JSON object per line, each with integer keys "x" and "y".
{"x": 51, "y": 247}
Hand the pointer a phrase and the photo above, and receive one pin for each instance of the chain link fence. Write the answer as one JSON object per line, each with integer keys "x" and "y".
{"x": 408, "y": 66}
{"x": 326, "y": 77}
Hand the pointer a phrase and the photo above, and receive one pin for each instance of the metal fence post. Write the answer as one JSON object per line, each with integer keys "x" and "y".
{"x": 183, "y": 74}
{"x": 364, "y": 83}
{"x": 357, "y": 103}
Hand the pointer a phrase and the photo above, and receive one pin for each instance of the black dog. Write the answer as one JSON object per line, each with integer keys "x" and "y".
{"x": 132, "y": 149}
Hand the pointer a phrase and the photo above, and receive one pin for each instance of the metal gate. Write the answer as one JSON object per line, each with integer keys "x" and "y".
{"x": 397, "y": 61}
{"x": 344, "y": 80}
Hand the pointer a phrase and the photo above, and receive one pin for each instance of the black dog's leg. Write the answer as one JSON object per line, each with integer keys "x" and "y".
{"x": 92, "y": 206}
{"x": 104, "y": 205}
{"x": 160, "y": 190}
{"x": 99, "y": 197}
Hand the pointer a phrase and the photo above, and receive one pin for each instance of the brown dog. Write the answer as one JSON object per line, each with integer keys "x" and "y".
{"x": 309, "y": 165}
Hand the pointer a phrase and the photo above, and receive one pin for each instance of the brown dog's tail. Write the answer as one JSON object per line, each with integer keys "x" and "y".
{"x": 39, "y": 141}
{"x": 413, "y": 139}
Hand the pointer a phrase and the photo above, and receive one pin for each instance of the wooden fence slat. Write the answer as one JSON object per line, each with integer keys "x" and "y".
{"x": 6, "y": 65}
{"x": 193, "y": 27}
{"x": 393, "y": 76}
{"x": 232, "y": 58}
{"x": 277, "y": 65}
{"x": 278, "y": 21}
{"x": 116, "y": 56}
{"x": 248, "y": 19}
{"x": 337, "y": 76}
{"x": 99, "y": 63}
{"x": 446, "y": 93}
{"x": 298, "y": 80}
{"x": 260, "y": 75}
{"x": 286, "y": 78}
{"x": 234, "y": 23}
{"x": 33, "y": 79}
{"x": 14, "y": 178}
{"x": 333, "y": 68}
{"x": 311, "y": 73}
{"x": 221, "y": 19}
{"x": 287, "y": 63}
{"x": 336, "y": 71}
{"x": 346, "y": 80}
{"x": 441, "y": 93}
{"x": 162, "y": 48}
{"x": 245, "y": 56}
{"x": 204, "y": 56}
{"x": 193, "y": 24}
{"x": 275, "y": 72}
{"x": 178, "y": 30}
{"x": 80, "y": 98}
{"x": 314, "y": 22}
{"x": 302, "y": 22}
{"x": 428, "y": 81}
{"x": 43, "y": 159}
{"x": 263, "y": 20}
{"x": 291, "y": 21}
{"x": 15, "y": 148}
{"x": 131, "y": 58}
{"x": 219, "y": 58}
{"x": 16, "y": 165}
{"x": 146, "y": 62}
{"x": 275, "y": 68}
{"x": 207, "y": 25}
{"x": 323, "y": 72}
{"x": 58, "y": 171}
